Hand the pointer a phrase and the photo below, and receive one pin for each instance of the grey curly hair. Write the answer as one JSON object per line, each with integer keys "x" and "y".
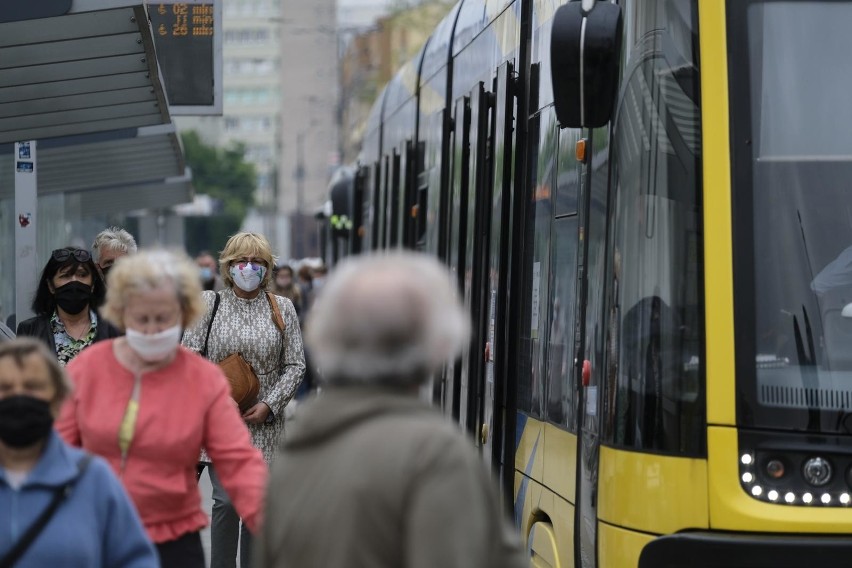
{"x": 390, "y": 319}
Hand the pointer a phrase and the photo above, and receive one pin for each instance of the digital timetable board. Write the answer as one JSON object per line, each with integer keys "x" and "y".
{"x": 188, "y": 40}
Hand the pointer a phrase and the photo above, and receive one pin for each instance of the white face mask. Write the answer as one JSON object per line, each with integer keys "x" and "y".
{"x": 155, "y": 346}
{"x": 248, "y": 279}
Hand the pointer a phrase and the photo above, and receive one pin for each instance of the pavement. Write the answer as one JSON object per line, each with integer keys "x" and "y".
{"x": 206, "y": 490}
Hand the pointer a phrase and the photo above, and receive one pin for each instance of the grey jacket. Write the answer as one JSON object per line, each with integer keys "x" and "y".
{"x": 375, "y": 478}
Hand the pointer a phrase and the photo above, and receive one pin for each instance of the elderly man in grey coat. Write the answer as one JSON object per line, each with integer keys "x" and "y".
{"x": 370, "y": 475}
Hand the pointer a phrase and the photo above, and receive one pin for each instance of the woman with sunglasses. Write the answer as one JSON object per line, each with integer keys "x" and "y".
{"x": 69, "y": 291}
{"x": 242, "y": 320}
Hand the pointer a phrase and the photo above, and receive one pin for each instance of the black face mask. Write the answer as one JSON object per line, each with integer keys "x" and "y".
{"x": 73, "y": 297}
{"x": 24, "y": 421}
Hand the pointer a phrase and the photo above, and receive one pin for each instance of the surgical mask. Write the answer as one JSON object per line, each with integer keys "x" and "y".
{"x": 73, "y": 297}
{"x": 206, "y": 274}
{"x": 24, "y": 420}
{"x": 247, "y": 276}
{"x": 153, "y": 347}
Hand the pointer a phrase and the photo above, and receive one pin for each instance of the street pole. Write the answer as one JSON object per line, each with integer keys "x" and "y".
{"x": 300, "y": 193}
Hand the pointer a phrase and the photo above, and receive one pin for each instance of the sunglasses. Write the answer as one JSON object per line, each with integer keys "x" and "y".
{"x": 80, "y": 255}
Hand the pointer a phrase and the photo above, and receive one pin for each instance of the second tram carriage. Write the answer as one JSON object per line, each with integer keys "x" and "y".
{"x": 660, "y": 369}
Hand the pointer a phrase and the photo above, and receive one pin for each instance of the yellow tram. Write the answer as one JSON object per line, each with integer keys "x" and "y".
{"x": 645, "y": 206}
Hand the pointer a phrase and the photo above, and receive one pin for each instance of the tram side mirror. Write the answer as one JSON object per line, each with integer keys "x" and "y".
{"x": 585, "y": 50}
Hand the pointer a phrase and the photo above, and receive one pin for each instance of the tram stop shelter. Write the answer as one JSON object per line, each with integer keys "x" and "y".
{"x": 84, "y": 128}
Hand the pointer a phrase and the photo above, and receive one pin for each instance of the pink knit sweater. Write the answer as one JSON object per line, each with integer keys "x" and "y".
{"x": 182, "y": 408}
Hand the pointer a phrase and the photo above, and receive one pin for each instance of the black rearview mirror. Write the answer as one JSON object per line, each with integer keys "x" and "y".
{"x": 585, "y": 48}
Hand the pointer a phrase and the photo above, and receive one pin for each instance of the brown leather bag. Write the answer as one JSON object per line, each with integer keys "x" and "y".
{"x": 245, "y": 386}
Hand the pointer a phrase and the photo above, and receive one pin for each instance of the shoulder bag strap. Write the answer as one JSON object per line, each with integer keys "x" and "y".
{"x": 209, "y": 325}
{"x": 279, "y": 323}
{"x": 32, "y": 533}
{"x": 276, "y": 311}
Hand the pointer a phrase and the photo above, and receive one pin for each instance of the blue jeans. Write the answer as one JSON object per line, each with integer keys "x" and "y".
{"x": 227, "y": 531}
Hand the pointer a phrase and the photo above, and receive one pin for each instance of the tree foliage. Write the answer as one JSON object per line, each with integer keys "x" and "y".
{"x": 221, "y": 173}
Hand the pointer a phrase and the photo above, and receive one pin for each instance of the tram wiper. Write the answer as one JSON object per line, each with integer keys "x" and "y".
{"x": 807, "y": 367}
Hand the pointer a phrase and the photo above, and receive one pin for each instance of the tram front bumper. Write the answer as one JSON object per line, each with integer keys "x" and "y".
{"x": 741, "y": 550}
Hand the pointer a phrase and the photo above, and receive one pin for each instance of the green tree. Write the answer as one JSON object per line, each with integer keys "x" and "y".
{"x": 224, "y": 175}
{"x": 221, "y": 173}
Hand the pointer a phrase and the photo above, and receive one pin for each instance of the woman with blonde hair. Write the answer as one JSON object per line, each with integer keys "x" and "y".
{"x": 243, "y": 319}
{"x": 148, "y": 406}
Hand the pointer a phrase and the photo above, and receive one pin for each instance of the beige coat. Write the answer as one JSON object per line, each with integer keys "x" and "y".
{"x": 375, "y": 478}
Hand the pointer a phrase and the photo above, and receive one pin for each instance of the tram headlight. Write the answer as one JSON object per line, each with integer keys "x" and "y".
{"x": 748, "y": 477}
{"x": 790, "y": 497}
{"x": 757, "y": 490}
{"x": 746, "y": 459}
{"x": 844, "y": 498}
{"x": 772, "y": 495}
{"x": 807, "y": 498}
{"x": 817, "y": 471}
{"x": 775, "y": 469}
{"x": 826, "y": 498}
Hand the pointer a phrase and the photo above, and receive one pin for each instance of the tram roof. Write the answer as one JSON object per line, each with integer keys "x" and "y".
{"x": 437, "y": 53}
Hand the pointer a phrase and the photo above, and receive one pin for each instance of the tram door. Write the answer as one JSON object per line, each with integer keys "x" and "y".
{"x": 357, "y": 235}
{"x": 589, "y": 330}
{"x": 495, "y": 301}
{"x": 472, "y": 265}
{"x": 457, "y": 228}
{"x": 392, "y": 215}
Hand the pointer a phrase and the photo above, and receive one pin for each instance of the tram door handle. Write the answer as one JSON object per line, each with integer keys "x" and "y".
{"x": 587, "y": 372}
{"x": 483, "y": 434}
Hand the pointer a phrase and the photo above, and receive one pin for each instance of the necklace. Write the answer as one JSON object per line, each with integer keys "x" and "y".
{"x": 78, "y": 330}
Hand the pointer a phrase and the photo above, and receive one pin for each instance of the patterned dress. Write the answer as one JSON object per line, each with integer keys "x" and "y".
{"x": 247, "y": 327}
{"x": 68, "y": 347}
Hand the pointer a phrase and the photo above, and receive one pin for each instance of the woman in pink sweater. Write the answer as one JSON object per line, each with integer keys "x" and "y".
{"x": 146, "y": 405}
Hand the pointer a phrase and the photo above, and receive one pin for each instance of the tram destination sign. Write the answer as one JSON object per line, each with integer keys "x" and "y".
{"x": 188, "y": 40}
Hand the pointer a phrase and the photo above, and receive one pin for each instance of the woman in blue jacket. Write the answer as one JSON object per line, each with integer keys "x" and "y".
{"x": 94, "y": 523}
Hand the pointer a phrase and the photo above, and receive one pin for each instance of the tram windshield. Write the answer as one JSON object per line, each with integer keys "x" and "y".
{"x": 791, "y": 76}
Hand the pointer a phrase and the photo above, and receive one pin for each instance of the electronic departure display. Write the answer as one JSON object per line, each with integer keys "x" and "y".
{"x": 184, "y": 39}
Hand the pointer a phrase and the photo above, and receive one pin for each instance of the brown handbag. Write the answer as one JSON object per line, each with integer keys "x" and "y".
{"x": 245, "y": 386}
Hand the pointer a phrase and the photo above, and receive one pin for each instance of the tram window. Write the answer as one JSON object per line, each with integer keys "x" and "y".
{"x": 567, "y": 180}
{"x": 536, "y": 324}
{"x": 394, "y": 202}
{"x": 560, "y": 392}
{"x": 791, "y": 206}
{"x": 655, "y": 339}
